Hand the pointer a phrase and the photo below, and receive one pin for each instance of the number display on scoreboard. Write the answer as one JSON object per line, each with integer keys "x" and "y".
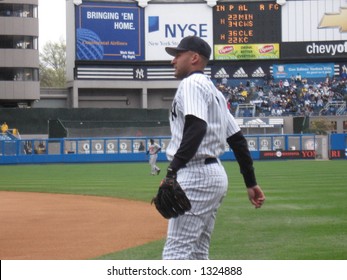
{"x": 247, "y": 23}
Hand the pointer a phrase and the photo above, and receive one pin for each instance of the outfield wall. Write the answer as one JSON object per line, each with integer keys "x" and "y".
{"x": 127, "y": 149}
{"x": 36, "y": 120}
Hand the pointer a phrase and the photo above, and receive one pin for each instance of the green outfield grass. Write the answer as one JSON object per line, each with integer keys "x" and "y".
{"x": 304, "y": 217}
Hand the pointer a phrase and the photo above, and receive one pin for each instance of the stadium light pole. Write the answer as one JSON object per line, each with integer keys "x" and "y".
{"x": 281, "y": 2}
{"x": 77, "y": 2}
{"x": 211, "y": 3}
{"x": 143, "y": 3}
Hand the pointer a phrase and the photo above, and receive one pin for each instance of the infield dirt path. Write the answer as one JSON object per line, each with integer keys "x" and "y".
{"x": 38, "y": 226}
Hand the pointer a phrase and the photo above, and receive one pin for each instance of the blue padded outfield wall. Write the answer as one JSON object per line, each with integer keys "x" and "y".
{"x": 127, "y": 149}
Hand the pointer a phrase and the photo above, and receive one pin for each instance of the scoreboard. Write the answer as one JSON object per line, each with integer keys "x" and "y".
{"x": 247, "y": 23}
{"x": 255, "y": 24}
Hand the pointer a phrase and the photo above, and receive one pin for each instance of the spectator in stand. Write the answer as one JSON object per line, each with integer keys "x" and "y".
{"x": 298, "y": 79}
{"x": 292, "y": 79}
{"x": 4, "y": 127}
{"x": 141, "y": 147}
{"x": 327, "y": 79}
{"x": 319, "y": 103}
{"x": 344, "y": 73}
{"x": 280, "y": 84}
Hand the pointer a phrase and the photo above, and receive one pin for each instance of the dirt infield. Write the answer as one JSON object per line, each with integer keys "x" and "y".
{"x": 38, "y": 226}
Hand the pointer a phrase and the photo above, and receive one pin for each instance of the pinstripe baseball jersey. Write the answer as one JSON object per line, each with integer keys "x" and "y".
{"x": 197, "y": 96}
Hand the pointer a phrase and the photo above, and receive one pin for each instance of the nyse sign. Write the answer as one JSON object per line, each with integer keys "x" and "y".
{"x": 183, "y": 30}
{"x": 165, "y": 29}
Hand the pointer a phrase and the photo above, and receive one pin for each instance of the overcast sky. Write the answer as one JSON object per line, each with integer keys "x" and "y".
{"x": 52, "y": 21}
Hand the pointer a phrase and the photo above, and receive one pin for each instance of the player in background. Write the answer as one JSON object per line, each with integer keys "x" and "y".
{"x": 201, "y": 125}
{"x": 153, "y": 150}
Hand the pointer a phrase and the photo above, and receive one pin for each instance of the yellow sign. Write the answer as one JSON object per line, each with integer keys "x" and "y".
{"x": 244, "y": 52}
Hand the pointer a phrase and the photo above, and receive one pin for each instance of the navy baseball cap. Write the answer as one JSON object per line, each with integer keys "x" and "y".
{"x": 191, "y": 43}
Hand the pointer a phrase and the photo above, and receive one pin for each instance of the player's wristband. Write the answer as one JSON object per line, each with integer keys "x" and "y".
{"x": 176, "y": 164}
{"x": 171, "y": 173}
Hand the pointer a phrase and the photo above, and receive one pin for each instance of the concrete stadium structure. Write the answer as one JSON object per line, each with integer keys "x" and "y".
{"x": 147, "y": 82}
{"x": 19, "y": 54}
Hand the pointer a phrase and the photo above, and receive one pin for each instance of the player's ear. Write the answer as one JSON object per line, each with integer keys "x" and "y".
{"x": 195, "y": 58}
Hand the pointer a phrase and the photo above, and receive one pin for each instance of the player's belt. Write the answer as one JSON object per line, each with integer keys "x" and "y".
{"x": 210, "y": 160}
{"x": 206, "y": 161}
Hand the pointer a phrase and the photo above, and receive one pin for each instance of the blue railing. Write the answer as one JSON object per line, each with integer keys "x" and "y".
{"x": 127, "y": 149}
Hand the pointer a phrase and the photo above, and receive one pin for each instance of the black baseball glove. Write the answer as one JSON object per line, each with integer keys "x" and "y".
{"x": 171, "y": 200}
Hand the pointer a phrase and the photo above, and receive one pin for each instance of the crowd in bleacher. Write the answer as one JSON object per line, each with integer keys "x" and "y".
{"x": 296, "y": 96}
{"x": 4, "y": 129}
{"x": 6, "y": 133}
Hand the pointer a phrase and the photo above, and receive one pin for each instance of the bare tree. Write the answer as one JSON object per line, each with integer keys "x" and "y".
{"x": 52, "y": 64}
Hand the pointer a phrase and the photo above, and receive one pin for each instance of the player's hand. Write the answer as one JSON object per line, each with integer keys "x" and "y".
{"x": 256, "y": 196}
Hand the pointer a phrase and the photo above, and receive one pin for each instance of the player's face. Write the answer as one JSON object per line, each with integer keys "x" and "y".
{"x": 183, "y": 64}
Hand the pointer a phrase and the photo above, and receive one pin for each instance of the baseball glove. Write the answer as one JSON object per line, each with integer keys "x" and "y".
{"x": 171, "y": 200}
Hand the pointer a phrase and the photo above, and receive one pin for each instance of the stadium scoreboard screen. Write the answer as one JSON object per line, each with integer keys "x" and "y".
{"x": 247, "y": 23}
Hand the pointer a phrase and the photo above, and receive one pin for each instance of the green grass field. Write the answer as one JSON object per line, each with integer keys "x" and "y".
{"x": 304, "y": 217}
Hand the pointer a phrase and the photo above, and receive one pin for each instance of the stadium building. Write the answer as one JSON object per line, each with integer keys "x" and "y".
{"x": 116, "y": 57}
{"x": 19, "y": 54}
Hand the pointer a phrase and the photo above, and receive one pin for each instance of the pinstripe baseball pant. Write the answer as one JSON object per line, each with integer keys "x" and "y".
{"x": 189, "y": 235}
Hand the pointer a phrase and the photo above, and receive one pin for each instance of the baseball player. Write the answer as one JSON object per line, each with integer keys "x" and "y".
{"x": 201, "y": 125}
{"x": 153, "y": 150}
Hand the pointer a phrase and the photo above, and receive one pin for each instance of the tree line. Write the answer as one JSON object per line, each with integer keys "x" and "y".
{"x": 53, "y": 64}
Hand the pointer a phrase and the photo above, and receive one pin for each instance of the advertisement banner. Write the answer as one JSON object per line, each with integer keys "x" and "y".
{"x": 314, "y": 50}
{"x": 109, "y": 31}
{"x": 250, "y": 51}
{"x": 338, "y": 154}
{"x": 166, "y": 24}
{"x": 312, "y": 70}
{"x": 242, "y": 70}
{"x": 303, "y": 154}
{"x": 260, "y": 122}
{"x": 314, "y": 21}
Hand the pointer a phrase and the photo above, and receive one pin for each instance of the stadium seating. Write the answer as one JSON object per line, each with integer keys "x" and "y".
{"x": 309, "y": 98}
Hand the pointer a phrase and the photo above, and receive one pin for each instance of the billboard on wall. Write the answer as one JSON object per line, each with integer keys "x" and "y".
{"x": 314, "y": 21}
{"x": 166, "y": 24}
{"x": 307, "y": 70}
{"x": 249, "y": 51}
{"x": 109, "y": 31}
{"x": 303, "y": 154}
{"x": 242, "y": 70}
{"x": 247, "y": 30}
{"x": 318, "y": 29}
{"x": 241, "y": 32}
